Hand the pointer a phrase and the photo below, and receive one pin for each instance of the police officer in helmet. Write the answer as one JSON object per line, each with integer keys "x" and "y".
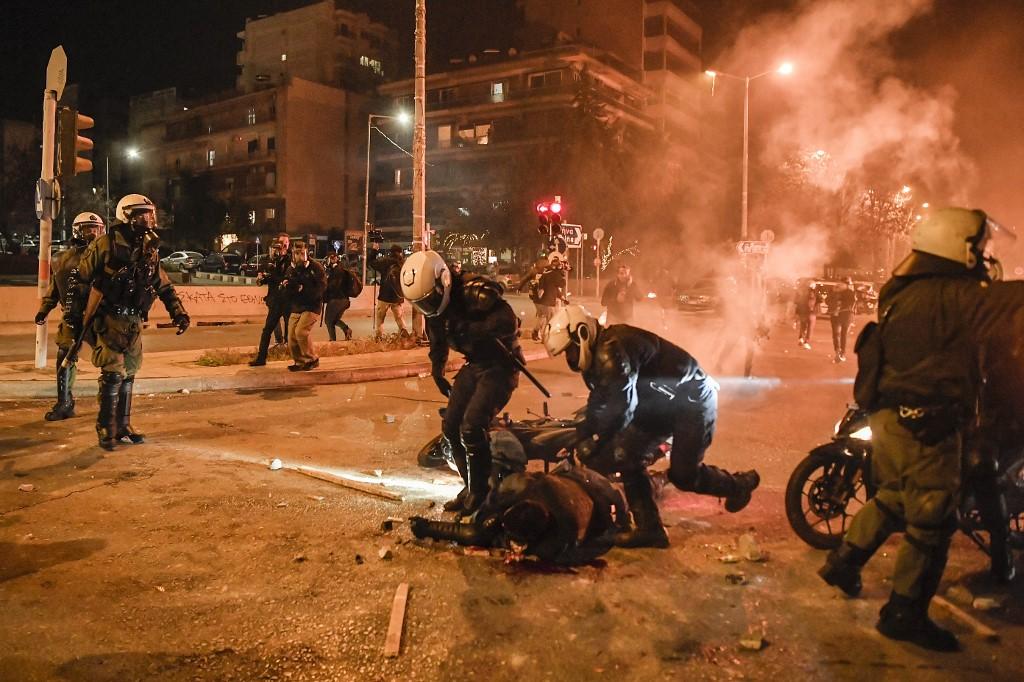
{"x": 467, "y": 313}
{"x": 939, "y": 314}
{"x": 642, "y": 390}
{"x": 67, "y": 290}
{"x": 124, "y": 266}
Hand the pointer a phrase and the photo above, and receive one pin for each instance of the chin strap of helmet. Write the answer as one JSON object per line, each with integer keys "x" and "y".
{"x": 583, "y": 335}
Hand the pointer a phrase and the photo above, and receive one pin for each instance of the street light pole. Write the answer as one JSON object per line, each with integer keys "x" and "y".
{"x": 746, "y": 154}
{"x": 366, "y": 205}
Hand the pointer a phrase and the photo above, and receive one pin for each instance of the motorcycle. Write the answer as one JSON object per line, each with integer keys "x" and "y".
{"x": 829, "y": 486}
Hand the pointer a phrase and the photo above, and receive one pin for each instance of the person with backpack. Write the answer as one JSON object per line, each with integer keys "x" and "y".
{"x": 342, "y": 286}
{"x": 389, "y": 295}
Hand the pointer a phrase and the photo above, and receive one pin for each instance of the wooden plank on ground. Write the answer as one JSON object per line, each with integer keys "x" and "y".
{"x": 393, "y": 641}
{"x": 967, "y": 619}
{"x": 379, "y": 491}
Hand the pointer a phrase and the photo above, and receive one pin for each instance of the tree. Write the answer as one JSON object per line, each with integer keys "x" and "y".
{"x": 887, "y": 212}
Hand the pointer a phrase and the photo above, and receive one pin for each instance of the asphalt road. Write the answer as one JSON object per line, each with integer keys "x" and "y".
{"x": 186, "y": 558}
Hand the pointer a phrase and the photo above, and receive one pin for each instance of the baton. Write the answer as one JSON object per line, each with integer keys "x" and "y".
{"x": 522, "y": 367}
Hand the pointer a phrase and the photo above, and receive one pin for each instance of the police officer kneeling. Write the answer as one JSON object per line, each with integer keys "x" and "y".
{"x": 644, "y": 389}
{"x": 124, "y": 266}
{"x": 919, "y": 371}
{"x": 466, "y": 312}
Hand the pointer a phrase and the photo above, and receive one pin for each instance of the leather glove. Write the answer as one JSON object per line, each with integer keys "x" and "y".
{"x": 182, "y": 322}
{"x": 586, "y": 448}
{"x": 443, "y": 385}
{"x": 40, "y": 318}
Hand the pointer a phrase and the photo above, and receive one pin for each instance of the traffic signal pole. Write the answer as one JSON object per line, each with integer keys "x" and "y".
{"x": 419, "y": 147}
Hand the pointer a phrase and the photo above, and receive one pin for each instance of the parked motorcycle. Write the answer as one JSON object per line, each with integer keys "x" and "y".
{"x": 833, "y": 482}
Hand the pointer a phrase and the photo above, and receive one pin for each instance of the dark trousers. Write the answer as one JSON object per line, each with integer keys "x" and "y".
{"x": 806, "y": 326}
{"x": 277, "y": 315}
{"x": 333, "y": 311}
{"x": 478, "y": 395}
{"x": 840, "y": 330}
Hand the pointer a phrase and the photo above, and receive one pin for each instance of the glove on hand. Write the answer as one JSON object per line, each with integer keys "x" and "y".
{"x": 586, "y": 448}
{"x": 182, "y": 322}
{"x": 40, "y": 318}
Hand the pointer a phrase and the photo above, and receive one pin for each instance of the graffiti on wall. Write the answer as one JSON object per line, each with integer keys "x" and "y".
{"x": 204, "y": 296}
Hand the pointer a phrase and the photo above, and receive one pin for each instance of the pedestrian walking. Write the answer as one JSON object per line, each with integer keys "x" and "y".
{"x": 304, "y": 286}
{"x": 275, "y": 270}
{"x": 840, "y": 308}
{"x": 342, "y": 286}
{"x": 389, "y": 295}
{"x": 806, "y": 299}
{"x": 550, "y": 292}
{"x": 619, "y": 296}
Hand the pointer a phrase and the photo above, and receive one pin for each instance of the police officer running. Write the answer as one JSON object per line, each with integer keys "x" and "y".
{"x": 66, "y": 288}
{"x": 644, "y": 389}
{"x": 920, "y": 373}
{"x": 273, "y": 275}
{"x": 466, "y": 313}
{"x": 124, "y": 266}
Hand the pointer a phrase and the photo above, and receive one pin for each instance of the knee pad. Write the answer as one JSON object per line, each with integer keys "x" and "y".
{"x": 930, "y": 509}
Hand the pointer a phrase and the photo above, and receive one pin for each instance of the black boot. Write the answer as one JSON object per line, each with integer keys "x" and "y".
{"x": 842, "y": 568}
{"x": 735, "y": 488}
{"x": 65, "y": 405}
{"x": 461, "y": 533}
{"x": 907, "y": 620}
{"x": 125, "y": 432}
{"x": 478, "y": 458}
{"x": 647, "y": 530}
{"x": 459, "y": 457}
{"x": 106, "y": 418}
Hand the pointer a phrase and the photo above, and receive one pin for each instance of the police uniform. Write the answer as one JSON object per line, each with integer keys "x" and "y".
{"x": 124, "y": 266}
{"x": 67, "y": 290}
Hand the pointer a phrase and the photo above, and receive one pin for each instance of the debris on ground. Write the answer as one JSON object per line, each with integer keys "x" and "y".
{"x": 988, "y": 603}
{"x": 184, "y": 391}
{"x": 393, "y": 640}
{"x": 299, "y": 558}
{"x": 749, "y": 549}
{"x": 276, "y": 464}
{"x": 979, "y": 628}
{"x": 282, "y": 504}
{"x": 752, "y": 641}
{"x": 359, "y": 559}
{"x": 736, "y": 578}
{"x": 389, "y": 419}
{"x": 27, "y": 488}
{"x": 385, "y": 553}
{"x": 729, "y": 559}
{"x": 316, "y": 498}
{"x": 388, "y": 524}
{"x": 960, "y": 595}
{"x": 377, "y": 490}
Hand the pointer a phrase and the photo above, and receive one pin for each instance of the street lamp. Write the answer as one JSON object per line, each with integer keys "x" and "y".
{"x": 132, "y": 154}
{"x": 403, "y": 118}
{"x": 783, "y": 69}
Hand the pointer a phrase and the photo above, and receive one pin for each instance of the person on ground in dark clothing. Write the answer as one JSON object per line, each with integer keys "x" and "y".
{"x": 67, "y": 290}
{"x": 304, "y": 287}
{"x": 468, "y": 314}
{"x": 921, "y": 371}
{"x": 644, "y": 389}
{"x": 806, "y": 314}
{"x": 341, "y": 283}
{"x": 275, "y": 271}
{"x": 840, "y": 308}
{"x": 619, "y": 296}
{"x": 389, "y": 295}
{"x": 567, "y": 517}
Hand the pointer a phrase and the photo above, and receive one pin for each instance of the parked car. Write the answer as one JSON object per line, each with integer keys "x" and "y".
{"x": 181, "y": 260}
{"x": 707, "y": 293}
{"x": 509, "y": 276}
{"x": 226, "y": 263}
{"x": 252, "y": 267}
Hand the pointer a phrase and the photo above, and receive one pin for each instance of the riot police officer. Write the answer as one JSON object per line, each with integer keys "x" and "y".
{"x": 920, "y": 373}
{"x": 644, "y": 389}
{"x": 466, "y": 313}
{"x": 67, "y": 290}
{"x": 123, "y": 266}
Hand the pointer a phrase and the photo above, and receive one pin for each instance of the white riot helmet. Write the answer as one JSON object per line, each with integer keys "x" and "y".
{"x": 956, "y": 234}
{"x": 130, "y": 203}
{"x": 572, "y": 325}
{"x": 427, "y": 282}
{"x": 84, "y": 221}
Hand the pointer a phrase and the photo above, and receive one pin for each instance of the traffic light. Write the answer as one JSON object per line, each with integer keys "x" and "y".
{"x": 70, "y": 143}
{"x": 542, "y": 218}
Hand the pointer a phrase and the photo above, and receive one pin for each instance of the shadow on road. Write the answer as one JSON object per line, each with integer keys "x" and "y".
{"x": 17, "y": 560}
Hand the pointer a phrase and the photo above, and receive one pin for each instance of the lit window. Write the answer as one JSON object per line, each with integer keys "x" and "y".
{"x": 398, "y": 177}
{"x": 252, "y": 217}
{"x": 211, "y": 154}
{"x": 444, "y": 136}
{"x": 284, "y": 57}
{"x": 271, "y": 213}
{"x": 498, "y": 91}
{"x": 482, "y": 132}
{"x": 372, "y": 64}
{"x": 251, "y": 116}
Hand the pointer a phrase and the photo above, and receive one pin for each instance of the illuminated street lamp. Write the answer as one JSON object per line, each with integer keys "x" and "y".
{"x": 784, "y": 69}
{"x": 403, "y": 118}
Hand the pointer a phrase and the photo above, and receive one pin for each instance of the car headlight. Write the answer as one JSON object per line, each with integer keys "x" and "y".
{"x": 863, "y": 433}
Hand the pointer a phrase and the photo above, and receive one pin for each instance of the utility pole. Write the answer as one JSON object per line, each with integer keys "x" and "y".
{"x": 419, "y": 146}
{"x": 56, "y": 78}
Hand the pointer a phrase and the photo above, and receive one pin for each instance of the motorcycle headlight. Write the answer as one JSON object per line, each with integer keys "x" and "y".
{"x": 863, "y": 433}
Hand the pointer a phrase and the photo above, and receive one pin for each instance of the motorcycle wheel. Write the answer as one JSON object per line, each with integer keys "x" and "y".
{"x": 430, "y": 456}
{"x": 817, "y": 519}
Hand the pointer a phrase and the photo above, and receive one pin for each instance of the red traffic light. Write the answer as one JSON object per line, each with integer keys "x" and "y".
{"x": 542, "y": 208}
{"x": 556, "y": 207}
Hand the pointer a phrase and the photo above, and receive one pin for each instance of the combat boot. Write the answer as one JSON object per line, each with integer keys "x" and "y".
{"x": 735, "y": 488}
{"x": 65, "y": 405}
{"x": 106, "y": 417}
{"x": 478, "y": 458}
{"x": 647, "y": 530}
{"x": 459, "y": 457}
{"x": 125, "y": 432}
{"x": 842, "y": 568}
{"x": 907, "y": 620}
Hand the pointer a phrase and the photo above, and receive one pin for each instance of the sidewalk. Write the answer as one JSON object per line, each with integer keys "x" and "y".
{"x": 173, "y": 371}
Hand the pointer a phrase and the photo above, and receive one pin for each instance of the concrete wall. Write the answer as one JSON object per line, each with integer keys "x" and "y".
{"x": 19, "y": 304}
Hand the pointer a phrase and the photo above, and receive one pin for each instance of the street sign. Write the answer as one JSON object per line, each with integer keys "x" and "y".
{"x": 767, "y": 236}
{"x": 573, "y": 235}
{"x": 751, "y": 248}
{"x": 598, "y": 234}
{"x": 57, "y": 71}
{"x": 40, "y": 194}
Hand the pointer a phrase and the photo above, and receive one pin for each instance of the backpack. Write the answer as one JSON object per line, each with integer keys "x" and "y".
{"x": 869, "y": 363}
{"x": 355, "y": 285}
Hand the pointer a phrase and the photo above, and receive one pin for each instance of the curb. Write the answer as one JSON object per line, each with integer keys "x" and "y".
{"x": 251, "y": 379}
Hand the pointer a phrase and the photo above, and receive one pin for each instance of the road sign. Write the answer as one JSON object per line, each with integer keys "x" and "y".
{"x": 598, "y": 234}
{"x": 750, "y": 248}
{"x": 573, "y": 235}
{"x": 767, "y": 236}
{"x": 57, "y": 71}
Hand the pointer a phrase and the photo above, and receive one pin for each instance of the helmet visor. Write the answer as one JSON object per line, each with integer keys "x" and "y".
{"x": 433, "y": 304}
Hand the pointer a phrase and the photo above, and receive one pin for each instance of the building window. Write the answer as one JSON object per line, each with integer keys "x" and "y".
{"x": 343, "y": 30}
{"x": 271, "y": 213}
{"x": 211, "y": 154}
{"x": 654, "y": 26}
{"x": 229, "y": 184}
{"x": 372, "y": 64}
{"x": 252, "y": 216}
{"x": 271, "y": 144}
{"x": 548, "y": 79}
{"x": 444, "y": 136}
{"x": 254, "y": 146}
{"x": 498, "y": 91}
{"x": 654, "y": 61}
{"x": 482, "y": 133}
{"x": 398, "y": 177}
{"x": 271, "y": 180}
{"x": 177, "y": 164}
{"x": 284, "y": 57}
{"x": 250, "y": 117}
